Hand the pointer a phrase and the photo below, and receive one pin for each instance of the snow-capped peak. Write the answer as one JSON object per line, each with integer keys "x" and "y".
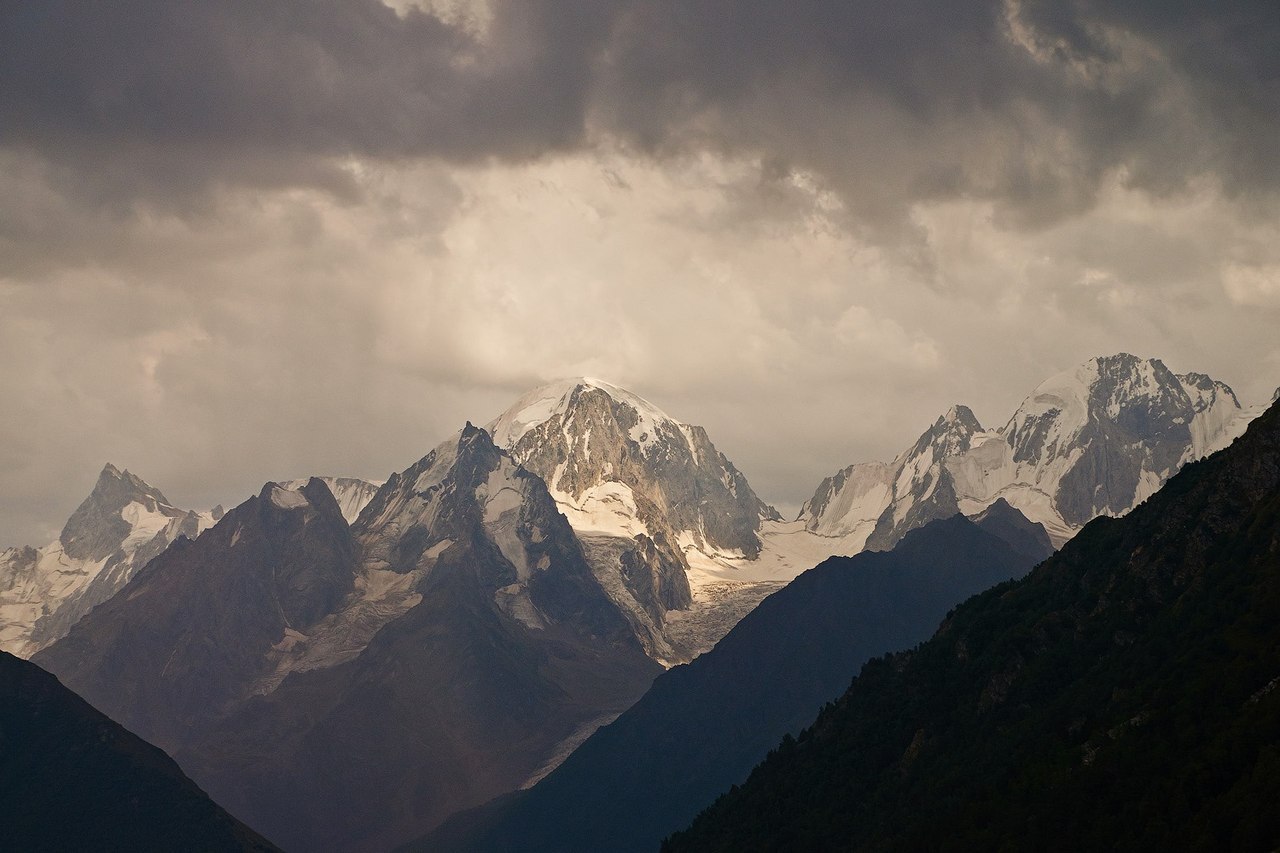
{"x": 961, "y": 414}
{"x": 117, "y": 529}
{"x": 352, "y": 493}
{"x": 286, "y": 499}
{"x": 556, "y": 398}
{"x": 1095, "y": 439}
{"x": 951, "y": 433}
{"x": 645, "y": 493}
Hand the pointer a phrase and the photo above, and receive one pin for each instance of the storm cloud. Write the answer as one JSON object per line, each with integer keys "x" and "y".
{"x": 1028, "y": 103}
{"x": 246, "y": 239}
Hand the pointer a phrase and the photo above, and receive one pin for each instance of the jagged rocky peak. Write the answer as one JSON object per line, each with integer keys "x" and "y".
{"x": 98, "y": 526}
{"x": 950, "y": 435}
{"x": 469, "y": 491}
{"x": 871, "y": 504}
{"x": 1102, "y": 437}
{"x": 1276, "y": 395}
{"x": 644, "y": 421}
{"x": 313, "y": 570}
{"x": 953, "y": 432}
{"x": 922, "y": 488}
{"x": 312, "y": 496}
{"x": 1205, "y": 391}
{"x": 863, "y": 483}
{"x": 1139, "y": 396}
{"x": 1097, "y": 439}
{"x": 625, "y": 465}
{"x": 429, "y": 505}
{"x": 116, "y": 530}
{"x": 644, "y": 493}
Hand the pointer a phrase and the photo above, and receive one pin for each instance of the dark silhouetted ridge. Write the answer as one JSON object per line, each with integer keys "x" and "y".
{"x": 1122, "y": 697}
{"x": 71, "y": 779}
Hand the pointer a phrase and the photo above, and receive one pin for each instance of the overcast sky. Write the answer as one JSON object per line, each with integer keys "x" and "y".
{"x": 245, "y": 240}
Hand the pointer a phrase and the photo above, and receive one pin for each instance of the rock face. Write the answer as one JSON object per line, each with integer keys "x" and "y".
{"x": 72, "y": 779}
{"x": 1131, "y": 674}
{"x": 1104, "y": 437}
{"x": 1020, "y": 533}
{"x": 923, "y": 489}
{"x": 191, "y": 633}
{"x": 351, "y": 493}
{"x": 701, "y": 727}
{"x": 119, "y": 527}
{"x": 347, "y": 688}
{"x": 1097, "y": 440}
{"x": 642, "y": 491}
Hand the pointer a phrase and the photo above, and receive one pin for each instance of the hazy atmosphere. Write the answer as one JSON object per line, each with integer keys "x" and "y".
{"x": 243, "y": 241}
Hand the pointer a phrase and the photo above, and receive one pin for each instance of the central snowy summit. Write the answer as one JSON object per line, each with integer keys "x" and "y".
{"x": 646, "y": 494}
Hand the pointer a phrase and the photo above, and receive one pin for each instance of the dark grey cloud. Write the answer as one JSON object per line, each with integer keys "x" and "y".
{"x": 264, "y": 238}
{"x": 1024, "y": 101}
{"x": 1223, "y": 57}
{"x": 1027, "y": 103}
{"x": 158, "y": 99}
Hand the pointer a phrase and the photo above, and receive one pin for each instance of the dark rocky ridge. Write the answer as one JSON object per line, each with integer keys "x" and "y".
{"x": 1020, "y": 533}
{"x": 702, "y": 726}
{"x": 190, "y": 632}
{"x": 498, "y": 645}
{"x": 71, "y": 779}
{"x": 1120, "y": 697}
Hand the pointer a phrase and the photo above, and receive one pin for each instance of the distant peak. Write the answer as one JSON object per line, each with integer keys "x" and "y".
{"x": 1122, "y": 362}
{"x": 120, "y": 486}
{"x": 961, "y": 415}
{"x": 96, "y": 528}
{"x": 285, "y": 498}
{"x": 556, "y": 398}
{"x": 472, "y": 436}
{"x": 1113, "y": 377}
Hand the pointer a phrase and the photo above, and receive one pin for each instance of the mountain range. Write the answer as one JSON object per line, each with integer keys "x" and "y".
{"x": 122, "y": 525}
{"x": 1122, "y": 696}
{"x": 116, "y": 530}
{"x": 1095, "y": 440}
{"x": 348, "y": 687}
{"x": 674, "y": 532}
{"x": 344, "y": 664}
{"x": 702, "y": 726}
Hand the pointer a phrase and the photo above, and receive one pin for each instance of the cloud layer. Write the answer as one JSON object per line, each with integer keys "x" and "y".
{"x": 254, "y": 240}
